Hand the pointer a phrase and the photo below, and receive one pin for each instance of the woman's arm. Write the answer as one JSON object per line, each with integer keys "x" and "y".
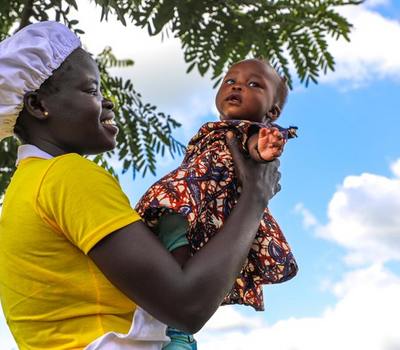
{"x": 134, "y": 260}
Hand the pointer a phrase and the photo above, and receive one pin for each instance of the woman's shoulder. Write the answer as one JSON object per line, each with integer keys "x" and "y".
{"x": 73, "y": 165}
{"x": 75, "y": 160}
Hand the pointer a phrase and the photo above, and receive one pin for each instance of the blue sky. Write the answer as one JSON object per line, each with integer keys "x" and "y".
{"x": 340, "y": 199}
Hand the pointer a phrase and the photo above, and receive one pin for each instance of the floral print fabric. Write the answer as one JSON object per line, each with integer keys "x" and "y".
{"x": 204, "y": 189}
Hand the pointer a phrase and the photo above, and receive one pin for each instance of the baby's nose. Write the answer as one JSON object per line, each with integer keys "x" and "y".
{"x": 237, "y": 87}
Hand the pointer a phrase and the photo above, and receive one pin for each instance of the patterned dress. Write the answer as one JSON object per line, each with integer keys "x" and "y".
{"x": 204, "y": 189}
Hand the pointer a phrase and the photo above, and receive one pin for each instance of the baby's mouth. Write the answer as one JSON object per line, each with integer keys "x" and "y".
{"x": 234, "y": 97}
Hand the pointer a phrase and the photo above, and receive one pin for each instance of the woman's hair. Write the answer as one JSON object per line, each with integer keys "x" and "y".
{"x": 50, "y": 84}
{"x": 20, "y": 131}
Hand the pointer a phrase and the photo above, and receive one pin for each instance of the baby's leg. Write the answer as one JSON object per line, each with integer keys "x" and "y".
{"x": 180, "y": 340}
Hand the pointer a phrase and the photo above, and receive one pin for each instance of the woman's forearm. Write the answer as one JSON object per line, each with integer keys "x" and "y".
{"x": 135, "y": 261}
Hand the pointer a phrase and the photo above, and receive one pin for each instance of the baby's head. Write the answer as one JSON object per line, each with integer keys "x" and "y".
{"x": 252, "y": 90}
{"x": 50, "y": 92}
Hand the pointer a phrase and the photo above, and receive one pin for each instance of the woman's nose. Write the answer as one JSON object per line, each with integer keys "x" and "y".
{"x": 107, "y": 103}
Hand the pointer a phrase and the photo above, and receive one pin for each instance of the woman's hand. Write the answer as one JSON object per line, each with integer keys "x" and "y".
{"x": 252, "y": 174}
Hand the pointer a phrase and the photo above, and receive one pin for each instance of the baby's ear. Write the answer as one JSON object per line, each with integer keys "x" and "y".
{"x": 274, "y": 113}
{"x": 33, "y": 105}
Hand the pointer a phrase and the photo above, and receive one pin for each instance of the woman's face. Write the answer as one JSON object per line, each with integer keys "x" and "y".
{"x": 79, "y": 118}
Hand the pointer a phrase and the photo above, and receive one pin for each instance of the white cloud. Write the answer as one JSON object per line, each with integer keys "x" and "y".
{"x": 309, "y": 220}
{"x": 363, "y": 217}
{"x": 366, "y": 317}
{"x": 395, "y": 167}
{"x": 371, "y": 53}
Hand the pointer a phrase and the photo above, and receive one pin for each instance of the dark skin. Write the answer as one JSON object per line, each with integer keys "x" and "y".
{"x": 132, "y": 258}
{"x": 249, "y": 92}
{"x": 73, "y": 116}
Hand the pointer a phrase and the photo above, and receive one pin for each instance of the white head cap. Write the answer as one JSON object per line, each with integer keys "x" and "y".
{"x": 27, "y": 59}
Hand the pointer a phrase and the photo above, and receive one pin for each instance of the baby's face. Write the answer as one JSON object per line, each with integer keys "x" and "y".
{"x": 248, "y": 91}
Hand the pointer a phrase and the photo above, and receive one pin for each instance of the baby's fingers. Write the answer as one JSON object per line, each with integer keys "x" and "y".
{"x": 277, "y": 144}
{"x": 277, "y": 152}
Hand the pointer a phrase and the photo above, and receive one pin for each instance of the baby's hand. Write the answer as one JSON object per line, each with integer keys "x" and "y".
{"x": 270, "y": 144}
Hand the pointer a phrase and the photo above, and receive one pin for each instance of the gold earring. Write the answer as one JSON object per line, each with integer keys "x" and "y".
{"x": 46, "y": 114}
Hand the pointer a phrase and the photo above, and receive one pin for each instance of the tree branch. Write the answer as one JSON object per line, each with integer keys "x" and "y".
{"x": 26, "y": 14}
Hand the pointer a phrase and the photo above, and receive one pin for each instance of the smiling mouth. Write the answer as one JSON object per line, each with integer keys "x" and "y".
{"x": 110, "y": 125}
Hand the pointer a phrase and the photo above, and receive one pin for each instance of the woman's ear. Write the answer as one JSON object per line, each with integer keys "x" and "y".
{"x": 274, "y": 113}
{"x": 34, "y": 106}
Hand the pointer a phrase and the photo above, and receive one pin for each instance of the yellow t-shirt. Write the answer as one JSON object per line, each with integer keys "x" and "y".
{"x": 54, "y": 212}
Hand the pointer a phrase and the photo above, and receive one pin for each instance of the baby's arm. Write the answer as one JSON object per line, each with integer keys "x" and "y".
{"x": 172, "y": 229}
{"x": 266, "y": 145}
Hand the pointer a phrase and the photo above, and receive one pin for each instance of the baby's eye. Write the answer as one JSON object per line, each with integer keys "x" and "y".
{"x": 253, "y": 84}
{"x": 229, "y": 81}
